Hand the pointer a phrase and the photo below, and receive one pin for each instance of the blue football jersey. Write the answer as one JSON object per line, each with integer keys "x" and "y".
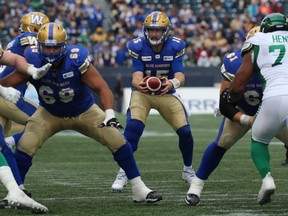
{"x": 61, "y": 91}
{"x": 18, "y": 46}
{"x": 253, "y": 91}
{"x": 165, "y": 63}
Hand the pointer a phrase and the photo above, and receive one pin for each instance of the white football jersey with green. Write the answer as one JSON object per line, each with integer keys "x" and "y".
{"x": 271, "y": 57}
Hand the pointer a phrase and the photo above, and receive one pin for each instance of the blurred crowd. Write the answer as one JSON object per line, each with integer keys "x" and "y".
{"x": 211, "y": 28}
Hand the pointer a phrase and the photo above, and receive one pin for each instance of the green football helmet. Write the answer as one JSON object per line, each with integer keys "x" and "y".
{"x": 274, "y": 22}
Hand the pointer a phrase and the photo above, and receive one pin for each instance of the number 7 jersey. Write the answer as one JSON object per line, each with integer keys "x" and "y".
{"x": 271, "y": 57}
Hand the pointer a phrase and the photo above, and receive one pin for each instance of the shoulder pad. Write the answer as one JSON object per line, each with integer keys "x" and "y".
{"x": 28, "y": 40}
{"x": 228, "y": 76}
{"x": 246, "y": 47}
{"x": 79, "y": 56}
{"x": 178, "y": 45}
{"x": 134, "y": 46}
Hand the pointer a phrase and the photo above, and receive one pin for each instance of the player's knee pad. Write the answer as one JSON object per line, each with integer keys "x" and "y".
{"x": 133, "y": 131}
{"x": 226, "y": 141}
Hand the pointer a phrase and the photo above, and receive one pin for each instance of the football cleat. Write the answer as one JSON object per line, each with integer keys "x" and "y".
{"x": 151, "y": 197}
{"x": 141, "y": 193}
{"x": 285, "y": 162}
{"x": 120, "y": 182}
{"x": 19, "y": 200}
{"x": 4, "y": 204}
{"x": 267, "y": 190}
{"x": 192, "y": 199}
{"x": 188, "y": 174}
{"x": 194, "y": 192}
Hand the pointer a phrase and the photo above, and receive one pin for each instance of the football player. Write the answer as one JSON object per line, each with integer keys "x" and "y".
{"x": 266, "y": 51}
{"x": 230, "y": 130}
{"x": 19, "y": 112}
{"x": 16, "y": 197}
{"x": 66, "y": 102}
{"x": 157, "y": 54}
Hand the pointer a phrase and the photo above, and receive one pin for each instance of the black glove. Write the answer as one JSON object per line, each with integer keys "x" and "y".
{"x": 227, "y": 108}
{"x": 113, "y": 122}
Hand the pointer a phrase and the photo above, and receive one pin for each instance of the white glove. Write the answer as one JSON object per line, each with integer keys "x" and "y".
{"x": 10, "y": 94}
{"x": 110, "y": 120}
{"x": 38, "y": 73}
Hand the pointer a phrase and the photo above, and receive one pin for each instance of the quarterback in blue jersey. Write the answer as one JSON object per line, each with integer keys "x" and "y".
{"x": 66, "y": 102}
{"x": 158, "y": 55}
{"x": 230, "y": 130}
{"x": 29, "y": 25}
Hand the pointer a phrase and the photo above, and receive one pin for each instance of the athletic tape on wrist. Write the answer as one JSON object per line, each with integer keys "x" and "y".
{"x": 244, "y": 120}
{"x": 175, "y": 82}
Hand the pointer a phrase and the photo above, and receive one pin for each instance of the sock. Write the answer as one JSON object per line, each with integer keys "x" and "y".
{"x": 133, "y": 131}
{"x": 260, "y": 156}
{"x": 3, "y": 161}
{"x": 7, "y": 178}
{"x": 210, "y": 160}
{"x": 10, "y": 158}
{"x": 24, "y": 162}
{"x": 186, "y": 144}
{"x": 125, "y": 159}
{"x": 17, "y": 137}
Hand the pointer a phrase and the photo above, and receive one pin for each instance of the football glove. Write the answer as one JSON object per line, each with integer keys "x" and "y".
{"x": 227, "y": 108}
{"x": 38, "y": 73}
{"x": 10, "y": 94}
{"x": 110, "y": 120}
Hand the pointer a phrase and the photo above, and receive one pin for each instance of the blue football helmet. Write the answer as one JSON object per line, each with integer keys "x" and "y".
{"x": 52, "y": 35}
{"x": 157, "y": 20}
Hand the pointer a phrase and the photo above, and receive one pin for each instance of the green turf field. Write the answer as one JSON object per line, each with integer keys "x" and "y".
{"x": 72, "y": 176}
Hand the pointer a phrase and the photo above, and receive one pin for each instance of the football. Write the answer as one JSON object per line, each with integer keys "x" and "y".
{"x": 153, "y": 84}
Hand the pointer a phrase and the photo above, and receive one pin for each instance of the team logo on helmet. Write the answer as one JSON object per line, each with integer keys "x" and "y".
{"x": 32, "y": 22}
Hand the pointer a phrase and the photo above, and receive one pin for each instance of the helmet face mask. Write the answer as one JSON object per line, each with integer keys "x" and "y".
{"x": 274, "y": 22}
{"x": 158, "y": 21}
{"x": 32, "y": 22}
{"x": 54, "y": 36}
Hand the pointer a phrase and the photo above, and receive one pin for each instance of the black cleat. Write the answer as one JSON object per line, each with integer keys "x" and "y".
{"x": 153, "y": 197}
{"x": 4, "y": 204}
{"x": 192, "y": 199}
{"x": 285, "y": 162}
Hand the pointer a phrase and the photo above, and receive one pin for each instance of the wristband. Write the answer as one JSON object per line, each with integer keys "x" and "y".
{"x": 175, "y": 82}
{"x": 109, "y": 113}
{"x": 244, "y": 120}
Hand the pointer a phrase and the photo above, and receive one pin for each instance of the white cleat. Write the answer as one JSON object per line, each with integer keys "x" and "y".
{"x": 140, "y": 193}
{"x": 120, "y": 182}
{"x": 267, "y": 190}
{"x": 194, "y": 192}
{"x": 19, "y": 200}
{"x": 188, "y": 174}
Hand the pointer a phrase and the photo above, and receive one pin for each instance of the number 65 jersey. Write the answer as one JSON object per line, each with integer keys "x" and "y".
{"x": 271, "y": 57}
{"x": 61, "y": 91}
